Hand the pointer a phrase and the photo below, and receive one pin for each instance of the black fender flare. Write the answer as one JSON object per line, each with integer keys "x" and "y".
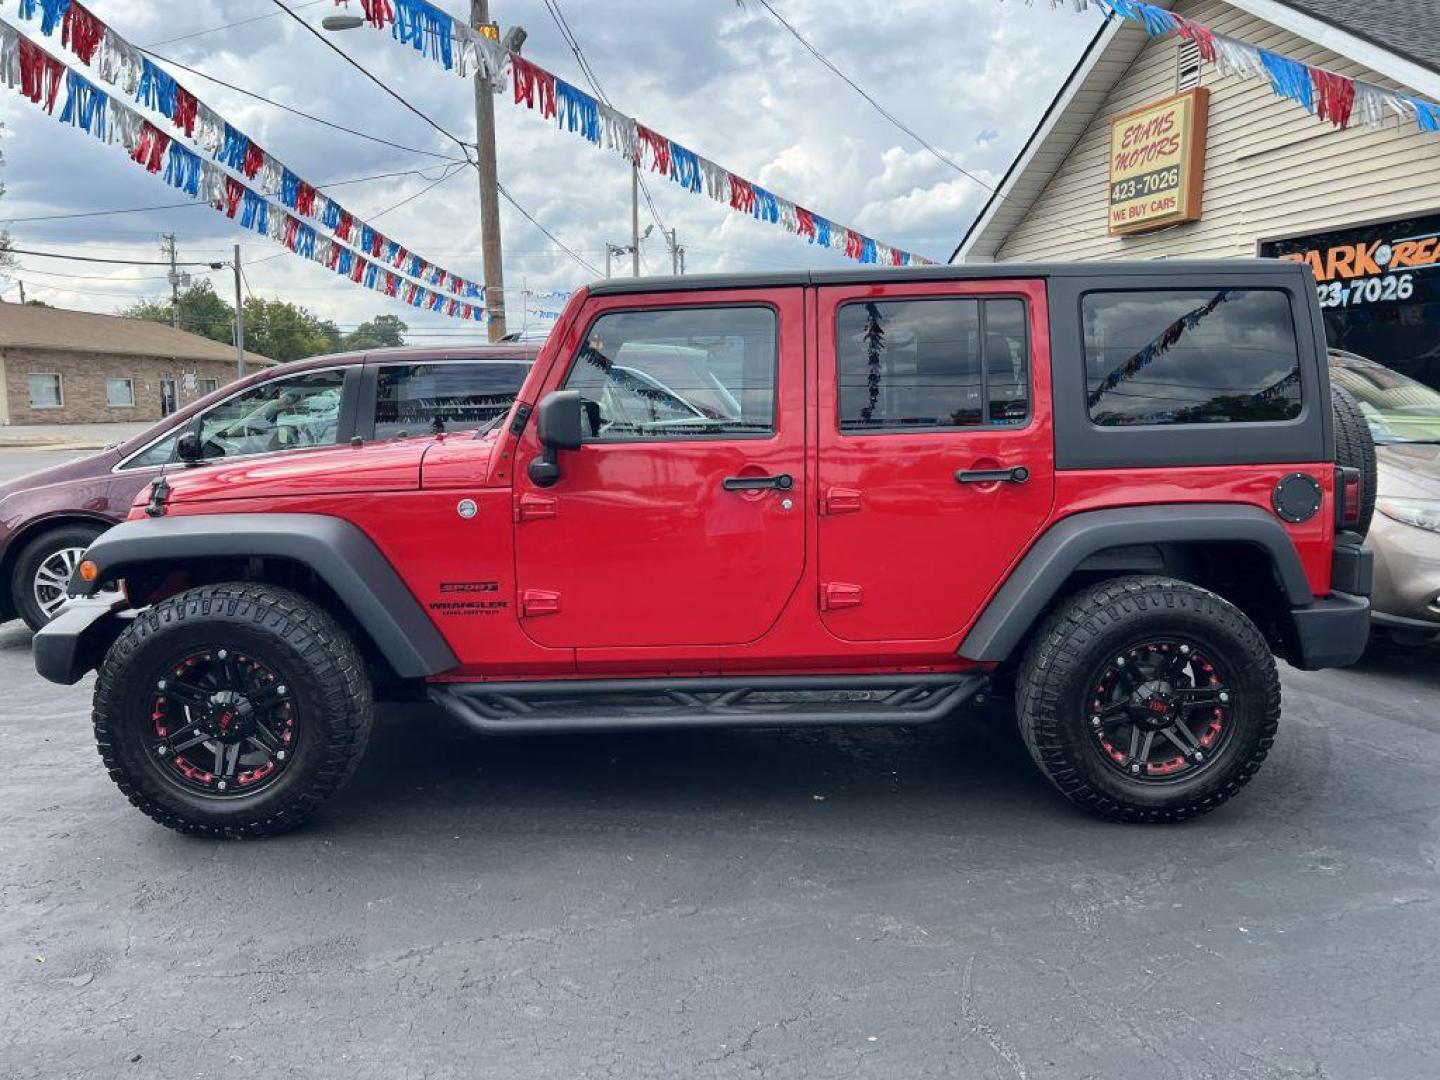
{"x": 338, "y": 552}
{"x": 1063, "y": 547}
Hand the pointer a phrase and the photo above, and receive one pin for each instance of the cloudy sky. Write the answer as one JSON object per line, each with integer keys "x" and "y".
{"x": 970, "y": 76}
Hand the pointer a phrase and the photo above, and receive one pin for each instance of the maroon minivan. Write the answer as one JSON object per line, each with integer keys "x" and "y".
{"x": 48, "y": 518}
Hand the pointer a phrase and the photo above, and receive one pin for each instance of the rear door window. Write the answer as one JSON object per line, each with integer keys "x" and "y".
{"x": 938, "y": 364}
{"x": 424, "y": 399}
{"x": 1211, "y": 356}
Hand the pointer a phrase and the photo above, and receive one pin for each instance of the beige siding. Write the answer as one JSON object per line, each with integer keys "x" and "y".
{"x": 1271, "y": 169}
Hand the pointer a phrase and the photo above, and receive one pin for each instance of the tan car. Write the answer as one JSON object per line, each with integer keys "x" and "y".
{"x": 1404, "y": 419}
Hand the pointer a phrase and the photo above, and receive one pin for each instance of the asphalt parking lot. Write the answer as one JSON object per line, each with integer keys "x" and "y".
{"x": 880, "y": 903}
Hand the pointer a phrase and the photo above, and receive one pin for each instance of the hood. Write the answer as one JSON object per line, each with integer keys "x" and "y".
{"x": 1409, "y": 470}
{"x": 79, "y": 469}
{"x": 333, "y": 470}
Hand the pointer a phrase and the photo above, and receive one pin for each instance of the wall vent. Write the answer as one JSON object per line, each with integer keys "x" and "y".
{"x": 1187, "y": 66}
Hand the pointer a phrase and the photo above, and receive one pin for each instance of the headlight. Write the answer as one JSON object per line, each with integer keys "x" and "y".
{"x": 1422, "y": 513}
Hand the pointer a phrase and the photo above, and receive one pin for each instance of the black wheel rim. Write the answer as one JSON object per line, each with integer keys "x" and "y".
{"x": 222, "y": 723}
{"x": 1160, "y": 711}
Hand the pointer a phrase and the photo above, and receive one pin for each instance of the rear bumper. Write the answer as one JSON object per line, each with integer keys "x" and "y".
{"x": 77, "y": 640}
{"x": 1331, "y": 632}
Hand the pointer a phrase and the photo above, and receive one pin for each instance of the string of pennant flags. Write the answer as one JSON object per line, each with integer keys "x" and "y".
{"x": 128, "y": 70}
{"x": 1325, "y": 94}
{"x": 459, "y": 48}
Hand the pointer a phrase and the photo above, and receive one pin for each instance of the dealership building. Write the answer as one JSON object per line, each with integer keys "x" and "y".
{"x": 1148, "y": 152}
{"x": 59, "y": 366}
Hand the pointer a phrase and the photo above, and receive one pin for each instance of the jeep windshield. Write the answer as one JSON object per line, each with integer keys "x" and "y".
{"x": 1397, "y": 408}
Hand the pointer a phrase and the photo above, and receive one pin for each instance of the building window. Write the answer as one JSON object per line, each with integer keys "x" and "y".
{"x": 120, "y": 393}
{"x": 1190, "y": 357}
{"x": 46, "y": 391}
{"x": 932, "y": 364}
{"x": 209, "y": 386}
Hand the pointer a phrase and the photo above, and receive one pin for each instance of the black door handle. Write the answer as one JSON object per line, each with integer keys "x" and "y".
{"x": 783, "y": 482}
{"x": 1018, "y": 475}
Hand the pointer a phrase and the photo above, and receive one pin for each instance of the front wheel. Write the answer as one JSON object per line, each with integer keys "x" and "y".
{"x": 232, "y": 710}
{"x": 1148, "y": 699}
{"x": 40, "y": 583}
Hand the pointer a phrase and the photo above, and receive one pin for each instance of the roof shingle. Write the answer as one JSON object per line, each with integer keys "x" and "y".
{"x": 1408, "y": 28}
{"x": 83, "y": 331}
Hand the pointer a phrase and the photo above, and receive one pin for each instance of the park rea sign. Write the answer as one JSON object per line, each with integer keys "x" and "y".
{"x": 1157, "y": 163}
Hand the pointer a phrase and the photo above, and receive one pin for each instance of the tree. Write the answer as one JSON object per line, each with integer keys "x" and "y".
{"x": 381, "y": 332}
{"x": 285, "y": 331}
{"x": 201, "y": 312}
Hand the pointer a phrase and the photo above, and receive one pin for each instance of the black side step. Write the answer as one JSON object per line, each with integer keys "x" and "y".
{"x": 768, "y": 701}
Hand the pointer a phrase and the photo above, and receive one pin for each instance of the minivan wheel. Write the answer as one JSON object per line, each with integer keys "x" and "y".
{"x": 39, "y": 582}
{"x": 1147, "y": 699}
{"x": 232, "y": 710}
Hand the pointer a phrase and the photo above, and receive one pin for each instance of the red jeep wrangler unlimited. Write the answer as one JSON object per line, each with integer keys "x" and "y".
{"x": 796, "y": 498}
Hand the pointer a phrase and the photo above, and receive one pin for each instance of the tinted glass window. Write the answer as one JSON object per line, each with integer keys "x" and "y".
{"x": 282, "y": 414}
{"x": 942, "y": 363}
{"x": 680, "y": 373}
{"x": 1191, "y": 357}
{"x": 418, "y": 399}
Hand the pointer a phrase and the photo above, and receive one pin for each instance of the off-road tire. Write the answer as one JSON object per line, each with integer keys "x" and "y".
{"x": 306, "y": 646}
{"x": 1080, "y": 636}
{"x": 1355, "y": 449}
{"x": 32, "y": 556}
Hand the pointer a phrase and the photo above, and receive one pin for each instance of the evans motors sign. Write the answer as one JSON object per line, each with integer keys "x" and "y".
{"x": 1157, "y": 163}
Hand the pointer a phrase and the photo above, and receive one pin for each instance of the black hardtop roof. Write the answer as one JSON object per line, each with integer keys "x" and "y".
{"x": 1202, "y": 271}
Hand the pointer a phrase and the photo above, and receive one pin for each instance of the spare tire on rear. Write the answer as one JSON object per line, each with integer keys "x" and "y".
{"x": 1355, "y": 449}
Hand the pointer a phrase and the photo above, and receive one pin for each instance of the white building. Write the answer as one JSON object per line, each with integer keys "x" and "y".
{"x": 1271, "y": 179}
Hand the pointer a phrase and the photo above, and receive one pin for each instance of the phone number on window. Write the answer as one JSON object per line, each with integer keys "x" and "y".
{"x": 1373, "y": 290}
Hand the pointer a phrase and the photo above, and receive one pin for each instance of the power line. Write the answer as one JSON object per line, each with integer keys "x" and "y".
{"x": 553, "y": 6}
{"x": 297, "y": 112}
{"x": 886, "y": 113}
{"x": 464, "y": 146}
{"x": 227, "y": 26}
{"x": 97, "y": 259}
{"x": 553, "y": 238}
{"x": 177, "y": 206}
{"x": 451, "y": 171}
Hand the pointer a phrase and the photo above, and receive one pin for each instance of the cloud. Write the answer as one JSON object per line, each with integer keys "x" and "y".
{"x": 970, "y": 76}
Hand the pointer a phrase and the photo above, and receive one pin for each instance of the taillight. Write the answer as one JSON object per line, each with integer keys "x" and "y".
{"x": 1347, "y": 498}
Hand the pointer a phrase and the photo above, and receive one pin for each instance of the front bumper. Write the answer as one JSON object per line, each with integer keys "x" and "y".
{"x": 72, "y": 645}
{"x": 1407, "y": 573}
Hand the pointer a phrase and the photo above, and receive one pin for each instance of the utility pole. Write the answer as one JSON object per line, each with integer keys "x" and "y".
{"x": 168, "y": 247}
{"x": 239, "y": 318}
{"x": 22, "y": 293}
{"x": 635, "y": 214}
{"x": 489, "y": 184}
{"x": 677, "y": 253}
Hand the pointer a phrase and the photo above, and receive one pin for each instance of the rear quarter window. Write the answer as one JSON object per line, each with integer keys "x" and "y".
{"x": 1202, "y": 356}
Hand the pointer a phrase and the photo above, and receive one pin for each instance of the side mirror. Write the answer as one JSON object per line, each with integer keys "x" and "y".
{"x": 559, "y": 423}
{"x": 560, "y": 420}
{"x": 189, "y": 448}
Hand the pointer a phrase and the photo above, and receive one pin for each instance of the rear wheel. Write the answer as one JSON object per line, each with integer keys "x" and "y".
{"x": 40, "y": 581}
{"x": 232, "y": 710}
{"x": 1355, "y": 449}
{"x": 1148, "y": 699}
